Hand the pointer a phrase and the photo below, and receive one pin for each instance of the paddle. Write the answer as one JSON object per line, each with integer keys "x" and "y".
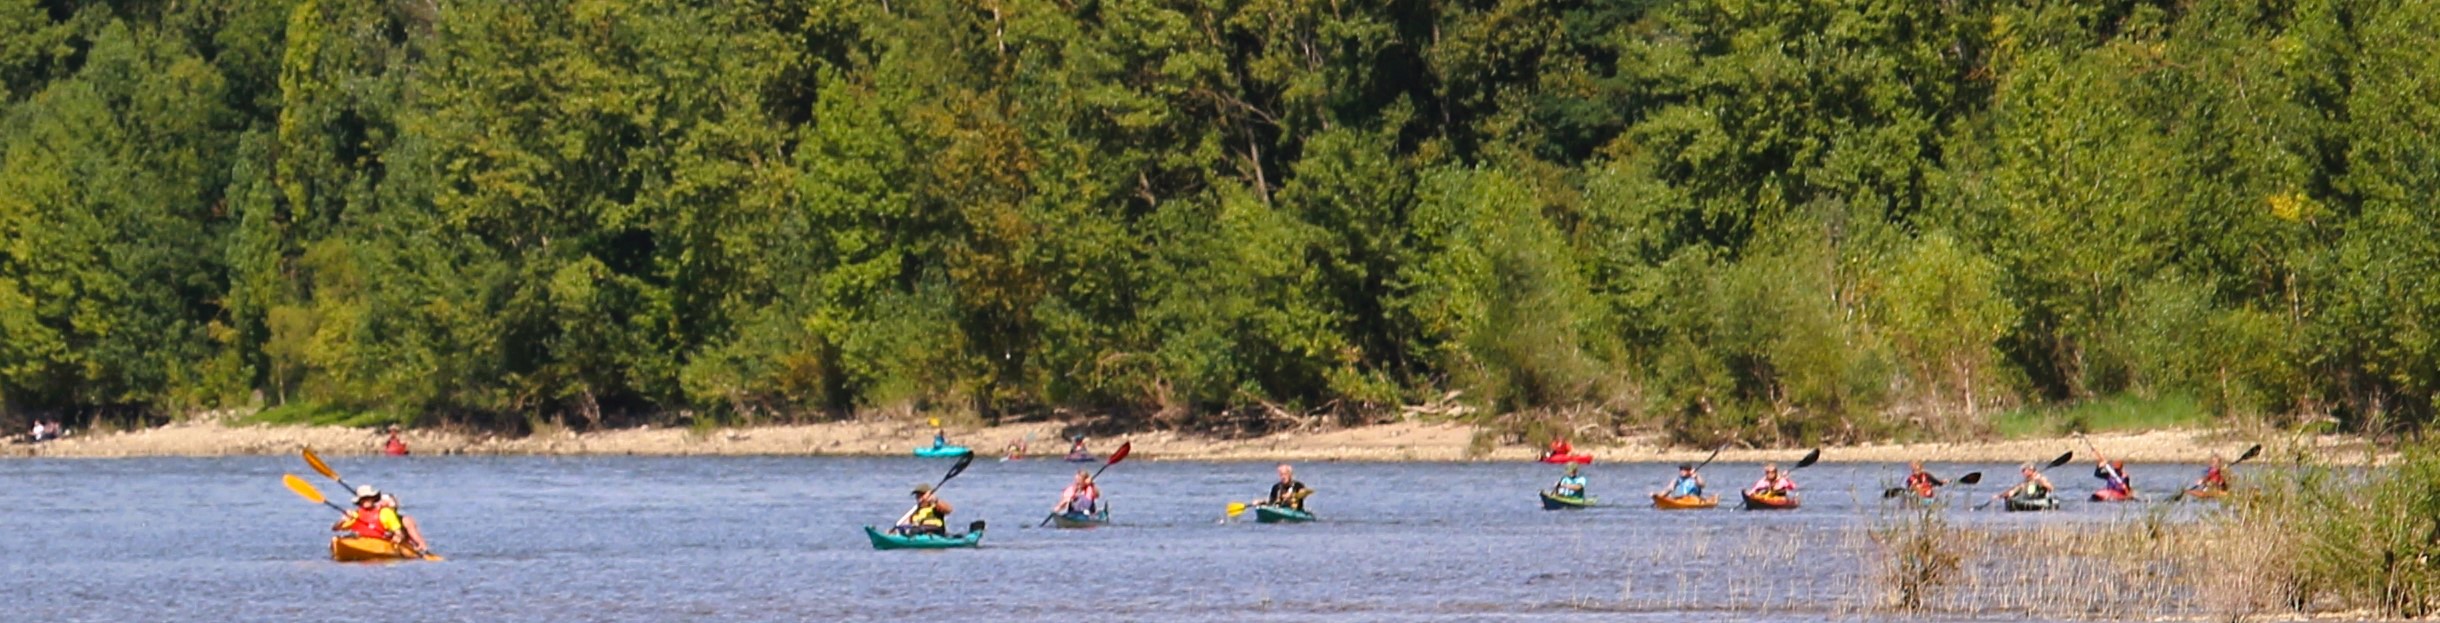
{"x": 1115, "y": 457}
{"x": 315, "y": 461}
{"x": 306, "y": 490}
{"x": 2249, "y": 454}
{"x": 1968, "y": 479}
{"x": 2062, "y": 460}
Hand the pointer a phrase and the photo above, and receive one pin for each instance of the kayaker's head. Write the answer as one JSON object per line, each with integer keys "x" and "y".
{"x": 1915, "y": 466}
{"x": 1770, "y": 470}
{"x": 1286, "y": 473}
{"x": 393, "y": 429}
{"x": 1685, "y": 469}
{"x": 923, "y": 493}
{"x": 2028, "y": 470}
{"x": 367, "y": 496}
{"x": 1571, "y": 469}
{"x": 2119, "y": 466}
{"x": 2218, "y": 461}
{"x": 1084, "y": 477}
{"x": 388, "y": 500}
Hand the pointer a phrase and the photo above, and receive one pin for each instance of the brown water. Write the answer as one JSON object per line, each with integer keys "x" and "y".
{"x": 764, "y": 539}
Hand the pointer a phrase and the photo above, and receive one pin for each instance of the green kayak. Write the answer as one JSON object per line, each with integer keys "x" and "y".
{"x": 885, "y": 540}
{"x": 1072, "y": 521}
{"x": 1280, "y": 514}
{"x": 2044, "y": 503}
{"x": 1553, "y": 501}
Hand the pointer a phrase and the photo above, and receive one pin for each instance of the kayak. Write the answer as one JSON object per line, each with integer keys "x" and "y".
{"x": 1077, "y": 520}
{"x": 1770, "y": 503}
{"x": 1664, "y": 502}
{"x": 2207, "y": 494}
{"x": 2106, "y": 495}
{"x": 1553, "y": 501}
{"x": 1280, "y": 514}
{"x": 884, "y": 540}
{"x": 937, "y": 452}
{"x": 1082, "y": 458}
{"x": 2045, "y": 503}
{"x": 360, "y": 549}
{"x": 1578, "y": 458}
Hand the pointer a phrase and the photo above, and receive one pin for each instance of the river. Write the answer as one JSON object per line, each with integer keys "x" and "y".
{"x": 617, "y": 539}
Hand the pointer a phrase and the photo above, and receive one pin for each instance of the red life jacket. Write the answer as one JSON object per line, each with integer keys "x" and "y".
{"x": 395, "y": 447}
{"x": 367, "y": 524}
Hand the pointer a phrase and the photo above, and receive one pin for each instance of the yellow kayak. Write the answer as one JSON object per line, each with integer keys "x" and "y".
{"x": 360, "y": 549}
{"x": 1667, "y": 503}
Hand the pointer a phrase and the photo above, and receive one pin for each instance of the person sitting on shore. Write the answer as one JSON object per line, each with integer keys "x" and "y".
{"x": 36, "y": 434}
{"x": 405, "y": 527}
{"x": 369, "y": 519}
{"x": 1570, "y": 485}
{"x": 1774, "y": 483}
{"x": 2034, "y": 487}
{"x": 2215, "y": 477}
{"x": 1688, "y": 483}
{"x": 1288, "y": 493}
{"x": 1081, "y": 497}
{"x": 930, "y": 515}
{"x": 1921, "y": 482}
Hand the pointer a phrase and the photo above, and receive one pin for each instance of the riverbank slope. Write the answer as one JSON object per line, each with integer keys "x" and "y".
{"x": 1386, "y": 442}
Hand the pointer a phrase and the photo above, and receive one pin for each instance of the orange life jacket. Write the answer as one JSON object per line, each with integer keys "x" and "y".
{"x": 367, "y": 524}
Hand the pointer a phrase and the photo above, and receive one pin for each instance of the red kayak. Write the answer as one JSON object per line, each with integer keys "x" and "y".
{"x": 2107, "y": 495}
{"x": 1578, "y": 459}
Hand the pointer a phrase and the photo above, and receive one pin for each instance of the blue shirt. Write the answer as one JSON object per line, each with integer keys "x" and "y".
{"x": 1567, "y": 481}
{"x": 1685, "y": 487}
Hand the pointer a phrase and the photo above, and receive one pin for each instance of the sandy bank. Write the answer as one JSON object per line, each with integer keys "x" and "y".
{"x": 1388, "y": 442}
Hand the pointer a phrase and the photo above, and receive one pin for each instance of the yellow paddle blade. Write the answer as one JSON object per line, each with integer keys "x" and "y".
{"x": 302, "y": 488}
{"x": 315, "y": 460}
{"x": 433, "y": 557}
{"x": 1235, "y": 509}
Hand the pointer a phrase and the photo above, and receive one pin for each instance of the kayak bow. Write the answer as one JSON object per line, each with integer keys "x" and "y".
{"x": 1769, "y": 503}
{"x": 1552, "y": 502}
{"x": 1280, "y": 514}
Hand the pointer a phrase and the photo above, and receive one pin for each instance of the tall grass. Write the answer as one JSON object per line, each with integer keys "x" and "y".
{"x": 2302, "y": 537}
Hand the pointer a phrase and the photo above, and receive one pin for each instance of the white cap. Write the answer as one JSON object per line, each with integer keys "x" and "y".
{"x": 367, "y": 491}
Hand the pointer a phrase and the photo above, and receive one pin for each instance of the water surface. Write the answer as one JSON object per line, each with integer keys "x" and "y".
{"x": 618, "y": 539}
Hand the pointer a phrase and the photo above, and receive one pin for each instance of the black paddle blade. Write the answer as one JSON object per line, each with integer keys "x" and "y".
{"x": 1970, "y": 478}
{"x": 2249, "y": 454}
{"x": 1810, "y": 458}
{"x": 2063, "y": 459}
{"x": 959, "y": 468}
{"x": 1892, "y": 492}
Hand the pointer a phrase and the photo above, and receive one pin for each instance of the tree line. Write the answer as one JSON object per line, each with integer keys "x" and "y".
{"x": 1799, "y": 219}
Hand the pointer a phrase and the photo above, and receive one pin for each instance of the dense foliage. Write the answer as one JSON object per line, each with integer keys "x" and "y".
{"x": 1800, "y": 219}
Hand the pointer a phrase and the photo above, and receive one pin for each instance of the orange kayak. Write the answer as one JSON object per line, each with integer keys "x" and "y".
{"x": 1664, "y": 502}
{"x": 1769, "y": 503}
{"x": 2206, "y": 494}
{"x": 360, "y": 549}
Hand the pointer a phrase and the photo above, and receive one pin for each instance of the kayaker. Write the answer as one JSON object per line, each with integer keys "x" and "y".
{"x": 1080, "y": 498}
{"x": 1688, "y": 483}
{"x": 1570, "y": 485}
{"x": 2114, "y": 480}
{"x": 1921, "y": 482}
{"x": 1559, "y": 447}
{"x": 1288, "y": 493}
{"x": 2215, "y": 477}
{"x": 940, "y": 437}
{"x": 370, "y": 519}
{"x": 930, "y": 515}
{"x": 406, "y": 529}
{"x": 395, "y": 446}
{"x": 2035, "y": 486}
{"x": 1774, "y": 483}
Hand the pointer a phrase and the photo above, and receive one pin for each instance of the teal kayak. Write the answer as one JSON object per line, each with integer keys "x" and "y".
{"x": 1553, "y": 501}
{"x": 1280, "y": 514}
{"x": 885, "y": 540}
{"x": 1071, "y": 521}
{"x": 939, "y": 452}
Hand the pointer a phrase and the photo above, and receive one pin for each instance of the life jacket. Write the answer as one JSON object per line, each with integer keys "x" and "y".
{"x": 367, "y": 525}
{"x": 1685, "y": 487}
{"x": 1921, "y": 483}
{"x": 2215, "y": 478}
{"x": 394, "y": 447}
{"x": 935, "y": 515}
{"x": 1084, "y": 500}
